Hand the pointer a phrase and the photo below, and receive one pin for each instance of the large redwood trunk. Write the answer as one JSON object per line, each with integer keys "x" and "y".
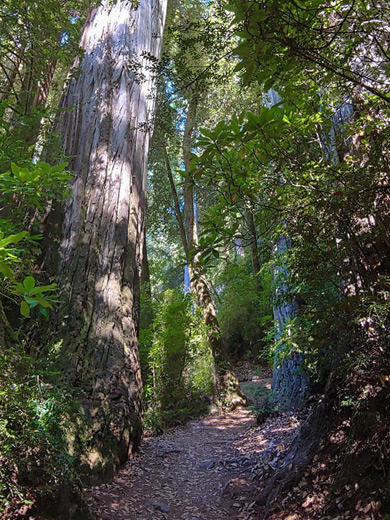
{"x": 105, "y": 133}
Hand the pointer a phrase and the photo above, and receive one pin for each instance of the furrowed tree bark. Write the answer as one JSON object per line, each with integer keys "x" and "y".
{"x": 9, "y": 74}
{"x": 145, "y": 272}
{"x": 39, "y": 102}
{"x": 105, "y": 132}
{"x": 227, "y": 387}
{"x": 289, "y": 380}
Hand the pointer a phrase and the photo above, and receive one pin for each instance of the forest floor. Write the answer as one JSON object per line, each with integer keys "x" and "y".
{"x": 205, "y": 470}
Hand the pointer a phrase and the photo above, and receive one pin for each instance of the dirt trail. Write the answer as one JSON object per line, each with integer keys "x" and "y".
{"x": 206, "y": 470}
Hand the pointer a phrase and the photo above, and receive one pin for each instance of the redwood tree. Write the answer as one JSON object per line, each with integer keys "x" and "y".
{"x": 105, "y": 132}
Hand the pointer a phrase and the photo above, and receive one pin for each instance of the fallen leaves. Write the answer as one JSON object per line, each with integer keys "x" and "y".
{"x": 209, "y": 469}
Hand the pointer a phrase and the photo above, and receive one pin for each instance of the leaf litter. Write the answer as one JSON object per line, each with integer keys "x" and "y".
{"x": 208, "y": 469}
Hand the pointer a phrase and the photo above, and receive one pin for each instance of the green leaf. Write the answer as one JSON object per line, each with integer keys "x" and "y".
{"x": 15, "y": 169}
{"x": 262, "y": 15}
{"x": 239, "y": 66}
{"x": 207, "y": 133}
{"x": 6, "y": 270}
{"x": 24, "y": 309}
{"x": 29, "y": 283}
{"x": 24, "y": 174}
{"x": 44, "y": 288}
{"x": 44, "y": 303}
{"x": 31, "y": 302}
{"x": 13, "y": 239}
{"x": 244, "y": 49}
{"x": 219, "y": 128}
{"x": 44, "y": 166}
{"x": 248, "y": 74}
{"x": 59, "y": 167}
{"x": 44, "y": 312}
{"x": 231, "y": 7}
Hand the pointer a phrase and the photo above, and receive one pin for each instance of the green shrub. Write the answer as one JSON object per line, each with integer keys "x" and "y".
{"x": 25, "y": 192}
{"x": 263, "y": 403}
{"x": 35, "y": 420}
{"x": 199, "y": 371}
{"x": 177, "y": 363}
{"x": 36, "y": 414}
{"x": 245, "y": 310}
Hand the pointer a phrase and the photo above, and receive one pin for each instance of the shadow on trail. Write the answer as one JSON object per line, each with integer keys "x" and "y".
{"x": 206, "y": 470}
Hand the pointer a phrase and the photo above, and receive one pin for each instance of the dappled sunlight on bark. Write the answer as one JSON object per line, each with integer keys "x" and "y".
{"x": 105, "y": 129}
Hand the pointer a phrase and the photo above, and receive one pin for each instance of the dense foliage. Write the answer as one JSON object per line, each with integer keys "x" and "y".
{"x": 37, "y": 411}
{"x": 177, "y": 362}
{"x": 268, "y": 183}
{"x": 36, "y": 421}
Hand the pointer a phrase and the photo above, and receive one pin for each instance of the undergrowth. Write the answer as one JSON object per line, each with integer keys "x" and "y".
{"x": 177, "y": 361}
{"x": 36, "y": 417}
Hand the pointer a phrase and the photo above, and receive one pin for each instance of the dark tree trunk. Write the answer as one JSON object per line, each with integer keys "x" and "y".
{"x": 145, "y": 273}
{"x": 105, "y": 133}
{"x": 289, "y": 380}
{"x": 9, "y": 75}
{"x": 37, "y": 106}
{"x": 44, "y": 85}
{"x": 30, "y": 102}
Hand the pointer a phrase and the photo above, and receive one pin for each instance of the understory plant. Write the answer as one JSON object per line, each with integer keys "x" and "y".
{"x": 36, "y": 418}
{"x": 36, "y": 411}
{"x": 244, "y": 309}
{"x": 26, "y": 193}
{"x": 176, "y": 361}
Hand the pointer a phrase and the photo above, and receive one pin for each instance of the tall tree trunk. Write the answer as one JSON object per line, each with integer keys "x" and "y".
{"x": 288, "y": 378}
{"x": 39, "y": 103}
{"x": 44, "y": 85}
{"x": 29, "y": 83}
{"x": 30, "y": 102}
{"x": 9, "y": 73}
{"x": 226, "y": 384}
{"x": 145, "y": 272}
{"x": 105, "y": 132}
